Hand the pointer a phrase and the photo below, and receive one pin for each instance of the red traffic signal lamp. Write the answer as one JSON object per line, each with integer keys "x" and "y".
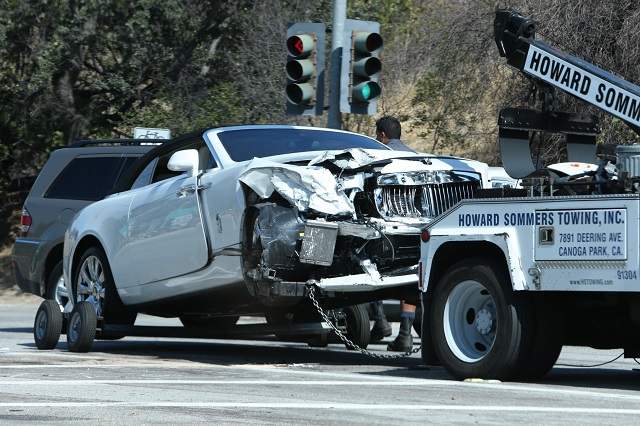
{"x": 305, "y": 69}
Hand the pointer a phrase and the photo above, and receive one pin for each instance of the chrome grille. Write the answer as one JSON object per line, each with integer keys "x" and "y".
{"x": 429, "y": 200}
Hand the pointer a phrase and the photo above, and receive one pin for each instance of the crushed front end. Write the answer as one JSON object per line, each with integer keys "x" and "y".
{"x": 349, "y": 222}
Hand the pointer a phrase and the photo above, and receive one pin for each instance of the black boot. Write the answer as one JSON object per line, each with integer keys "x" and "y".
{"x": 404, "y": 341}
{"x": 380, "y": 330}
{"x": 381, "y": 327}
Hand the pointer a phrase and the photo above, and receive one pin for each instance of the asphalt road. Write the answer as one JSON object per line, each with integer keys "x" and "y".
{"x": 168, "y": 381}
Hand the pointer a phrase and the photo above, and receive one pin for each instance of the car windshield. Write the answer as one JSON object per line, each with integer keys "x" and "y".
{"x": 245, "y": 144}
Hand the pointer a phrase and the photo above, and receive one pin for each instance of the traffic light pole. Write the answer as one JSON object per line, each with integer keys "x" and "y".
{"x": 337, "y": 29}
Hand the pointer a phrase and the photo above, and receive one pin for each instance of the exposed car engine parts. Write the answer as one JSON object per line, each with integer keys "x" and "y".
{"x": 348, "y": 217}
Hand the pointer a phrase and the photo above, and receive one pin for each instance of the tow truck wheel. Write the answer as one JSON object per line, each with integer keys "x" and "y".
{"x": 48, "y": 325}
{"x": 358, "y": 325}
{"x": 479, "y": 325}
{"x": 82, "y": 327}
{"x": 547, "y": 343}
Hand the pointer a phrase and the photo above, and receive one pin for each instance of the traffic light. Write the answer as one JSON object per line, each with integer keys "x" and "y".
{"x": 305, "y": 68}
{"x": 361, "y": 66}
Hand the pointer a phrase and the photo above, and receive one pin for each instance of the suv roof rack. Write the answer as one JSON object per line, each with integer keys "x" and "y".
{"x": 107, "y": 142}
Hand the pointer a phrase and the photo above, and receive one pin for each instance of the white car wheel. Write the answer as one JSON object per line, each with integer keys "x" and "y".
{"x": 91, "y": 284}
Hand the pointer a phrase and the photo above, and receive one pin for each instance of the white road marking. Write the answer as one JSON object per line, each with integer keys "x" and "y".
{"x": 325, "y": 405}
{"x": 213, "y": 382}
{"x": 351, "y": 376}
{"x": 48, "y": 354}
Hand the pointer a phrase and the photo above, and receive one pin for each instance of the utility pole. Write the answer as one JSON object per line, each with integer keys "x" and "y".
{"x": 337, "y": 30}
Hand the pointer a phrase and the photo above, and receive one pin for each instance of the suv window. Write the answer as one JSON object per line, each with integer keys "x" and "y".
{"x": 88, "y": 178}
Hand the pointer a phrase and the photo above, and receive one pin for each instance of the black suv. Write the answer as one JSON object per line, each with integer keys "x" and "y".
{"x": 72, "y": 178}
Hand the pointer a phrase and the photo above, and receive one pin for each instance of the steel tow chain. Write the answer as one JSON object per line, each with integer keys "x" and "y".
{"x": 346, "y": 340}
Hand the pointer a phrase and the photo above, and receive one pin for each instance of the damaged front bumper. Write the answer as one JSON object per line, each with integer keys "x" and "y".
{"x": 296, "y": 253}
{"x": 365, "y": 282}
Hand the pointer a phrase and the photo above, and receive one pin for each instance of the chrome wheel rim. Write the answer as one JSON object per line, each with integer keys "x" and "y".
{"x": 91, "y": 284}
{"x": 61, "y": 294}
{"x": 41, "y": 325}
{"x": 470, "y": 321}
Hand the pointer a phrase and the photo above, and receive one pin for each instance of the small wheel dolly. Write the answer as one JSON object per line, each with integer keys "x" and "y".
{"x": 82, "y": 323}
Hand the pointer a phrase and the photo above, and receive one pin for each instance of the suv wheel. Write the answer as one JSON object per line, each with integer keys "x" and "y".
{"x": 56, "y": 289}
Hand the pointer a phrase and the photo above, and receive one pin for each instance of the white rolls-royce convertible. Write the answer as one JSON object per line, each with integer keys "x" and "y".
{"x": 242, "y": 220}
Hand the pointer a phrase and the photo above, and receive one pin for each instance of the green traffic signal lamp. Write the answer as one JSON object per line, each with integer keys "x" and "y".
{"x": 366, "y": 91}
{"x": 360, "y": 67}
{"x": 365, "y": 66}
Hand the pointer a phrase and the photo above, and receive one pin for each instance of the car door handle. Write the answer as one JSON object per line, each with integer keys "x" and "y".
{"x": 186, "y": 190}
{"x": 190, "y": 189}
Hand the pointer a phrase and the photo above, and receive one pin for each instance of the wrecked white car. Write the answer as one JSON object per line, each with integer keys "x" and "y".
{"x": 241, "y": 220}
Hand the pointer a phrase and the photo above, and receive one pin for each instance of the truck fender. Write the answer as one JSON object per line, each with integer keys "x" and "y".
{"x": 441, "y": 252}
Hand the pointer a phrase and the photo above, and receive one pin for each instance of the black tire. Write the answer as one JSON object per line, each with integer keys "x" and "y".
{"x": 417, "y": 321}
{"x": 358, "y": 326}
{"x": 48, "y": 325}
{"x": 427, "y": 352}
{"x": 513, "y": 327}
{"x": 82, "y": 327}
{"x": 115, "y": 312}
{"x": 319, "y": 341}
{"x": 214, "y": 323}
{"x": 546, "y": 345}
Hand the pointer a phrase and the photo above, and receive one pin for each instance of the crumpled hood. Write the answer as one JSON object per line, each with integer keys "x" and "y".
{"x": 315, "y": 187}
{"x": 304, "y": 187}
{"x": 396, "y": 161}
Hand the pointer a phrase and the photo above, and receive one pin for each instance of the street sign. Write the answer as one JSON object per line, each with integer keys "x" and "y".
{"x": 151, "y": 133}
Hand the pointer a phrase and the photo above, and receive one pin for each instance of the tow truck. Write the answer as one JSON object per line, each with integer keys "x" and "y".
{"x": 510, "y": 276}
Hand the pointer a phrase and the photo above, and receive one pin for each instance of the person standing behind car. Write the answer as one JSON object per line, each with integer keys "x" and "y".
{"x": 388, "y": 132}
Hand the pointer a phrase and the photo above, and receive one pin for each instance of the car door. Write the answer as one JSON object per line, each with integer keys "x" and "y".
{"x": 165, "y": 235}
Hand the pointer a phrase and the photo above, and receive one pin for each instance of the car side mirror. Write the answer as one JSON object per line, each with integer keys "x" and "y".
{"x": 186, "y": 160}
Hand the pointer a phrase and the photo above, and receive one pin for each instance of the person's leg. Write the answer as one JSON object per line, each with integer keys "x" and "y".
{"x": 404, "y": 341}
{"x": 381, "y": 327}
